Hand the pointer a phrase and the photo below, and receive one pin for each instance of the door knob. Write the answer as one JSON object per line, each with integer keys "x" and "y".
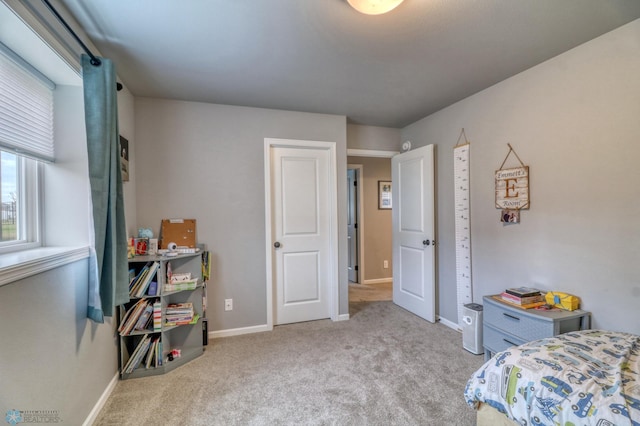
{"x": 276, "y": 244}
{"x": 426, "y": 242}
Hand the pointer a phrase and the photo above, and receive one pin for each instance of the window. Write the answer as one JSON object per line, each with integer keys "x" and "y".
{"x": 26, "y": 138}
{"x": 9, "y": 196}
{"x": 20, "y": 197}
{"x": 30, "y": 181}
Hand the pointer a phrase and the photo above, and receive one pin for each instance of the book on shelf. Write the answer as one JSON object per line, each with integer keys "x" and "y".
{"x": 180, "y": 307}
{"x": 145, "y": 317}
{"x": 149, "y": 355}
{"x": 139, "y": 317}
{"x": 152, "y": 354}
{"x": 523, "y": 291}
{"x": 521, "y": 300}
{"x": 182, "y": 285}
{"x": 137, "y": 278}
{"x": 191, "y": 320}
{"x": 131, "y": 317}
{"x": 157, "y": 316}
{"x": 179, "y": 314}
{"x": 159, "y": 353}
{"x": 179, "y": 277}
{"x": 142, "y": 284}
{"x": 153, "y": 289}
{"x": 138, "y": 354}
{"x": 206, "y": 265}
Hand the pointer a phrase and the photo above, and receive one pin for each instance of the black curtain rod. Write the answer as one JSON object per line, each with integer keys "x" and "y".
{"x": 95, "y": 61}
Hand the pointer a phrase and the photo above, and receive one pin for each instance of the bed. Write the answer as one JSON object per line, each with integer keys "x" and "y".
{"x": 589, "y": 377}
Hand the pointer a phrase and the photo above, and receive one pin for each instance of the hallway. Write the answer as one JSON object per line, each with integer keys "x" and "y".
{"x": 370, "y": 292}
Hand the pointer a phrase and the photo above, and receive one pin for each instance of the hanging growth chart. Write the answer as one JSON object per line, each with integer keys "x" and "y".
{"x": 462, "y": 225}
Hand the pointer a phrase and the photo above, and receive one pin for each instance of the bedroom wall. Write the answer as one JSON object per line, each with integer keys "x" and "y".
{"x": 574, "y": 121}
{"x": 53, "y": 358}
{"x": 373, "y": 137}
{"x": 206, "y": 161}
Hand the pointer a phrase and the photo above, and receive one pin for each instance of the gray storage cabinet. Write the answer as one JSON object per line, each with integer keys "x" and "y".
{"x": 187, "y": 338}
{"x": 506, "y": 325}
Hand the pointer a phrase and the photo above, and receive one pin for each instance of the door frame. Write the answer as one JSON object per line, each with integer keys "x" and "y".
{"x": 371, "y": 153}
{"x": 360, "y": 218}
{"x": 334, "y": 289}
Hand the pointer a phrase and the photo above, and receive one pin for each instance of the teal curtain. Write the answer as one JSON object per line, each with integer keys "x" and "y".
{"x": 108, "y": 268}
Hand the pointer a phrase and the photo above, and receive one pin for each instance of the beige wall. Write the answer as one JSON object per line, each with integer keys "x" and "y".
{"x": 377, "y": 223}
{"x": 574, "y": 121}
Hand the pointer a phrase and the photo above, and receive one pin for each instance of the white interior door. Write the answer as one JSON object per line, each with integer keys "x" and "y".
{"x": 301, "y": 227}
{"x": 413, "y": 231}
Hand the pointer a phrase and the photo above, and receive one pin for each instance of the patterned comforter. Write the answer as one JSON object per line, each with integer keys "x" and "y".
{"x": 589, "y": 377}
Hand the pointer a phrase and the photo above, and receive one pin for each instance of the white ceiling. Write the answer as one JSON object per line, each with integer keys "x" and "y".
{"x": 322, "y": 56}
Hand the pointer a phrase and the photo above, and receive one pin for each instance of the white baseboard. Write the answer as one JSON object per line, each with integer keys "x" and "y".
{"x": 101, "y": 401}
{"x": 449, "y": 324}
{"x": 239, "y": 331}
{"x": 343, "y": 317}
{"x": 255, "y": 329}
{"x": 378, "y": 281}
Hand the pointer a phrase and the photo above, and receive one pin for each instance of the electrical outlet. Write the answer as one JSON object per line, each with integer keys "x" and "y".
{"x": 228, "y": 304}
{"x": 385, "y": 264}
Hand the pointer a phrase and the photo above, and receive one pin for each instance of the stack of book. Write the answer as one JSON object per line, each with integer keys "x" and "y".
{"x": 143, "y": 283}
{"x": 180, "y": 314}
{"x": 148, "y": 352}
{"x": 139, "y": 317}
{"x": 524, "y": 297}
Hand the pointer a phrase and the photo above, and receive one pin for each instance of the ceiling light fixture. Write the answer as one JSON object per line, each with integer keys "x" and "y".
{"x": 374, "y": 7}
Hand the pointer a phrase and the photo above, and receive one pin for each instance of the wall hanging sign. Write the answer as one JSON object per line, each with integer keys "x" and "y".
{"x": 512, "y": 190}
{"x": 461, "y": 181}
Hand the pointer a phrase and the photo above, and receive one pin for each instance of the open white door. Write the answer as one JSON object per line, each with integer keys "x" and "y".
{"x": 413, "y": 231}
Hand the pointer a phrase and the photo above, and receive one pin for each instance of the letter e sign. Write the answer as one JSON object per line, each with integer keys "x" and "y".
{"x": 512, "y": 188}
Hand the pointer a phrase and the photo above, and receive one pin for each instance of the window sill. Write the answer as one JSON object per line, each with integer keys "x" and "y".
{"x": 22, "y": 264}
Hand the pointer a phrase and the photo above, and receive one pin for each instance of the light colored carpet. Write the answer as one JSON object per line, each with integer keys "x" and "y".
{"x": 384, "y": 366}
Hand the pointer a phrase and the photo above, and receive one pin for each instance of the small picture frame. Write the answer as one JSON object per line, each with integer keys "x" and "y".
{"x": 124, "y": 159}
{"x": 142, "y": 246}
{"x": 385, "y": 200}
{"x": 508, "y": 216}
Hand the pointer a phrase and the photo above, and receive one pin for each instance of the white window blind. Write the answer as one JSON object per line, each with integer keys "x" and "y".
{"x": 26, "y": 109}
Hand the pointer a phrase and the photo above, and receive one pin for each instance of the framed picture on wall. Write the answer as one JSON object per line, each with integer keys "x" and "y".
{"x": 124, "y": 158}
{"x": 384, "y": 194}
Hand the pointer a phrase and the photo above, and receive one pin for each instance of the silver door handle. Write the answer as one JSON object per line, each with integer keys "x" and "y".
{"x": 276, "y": 244}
